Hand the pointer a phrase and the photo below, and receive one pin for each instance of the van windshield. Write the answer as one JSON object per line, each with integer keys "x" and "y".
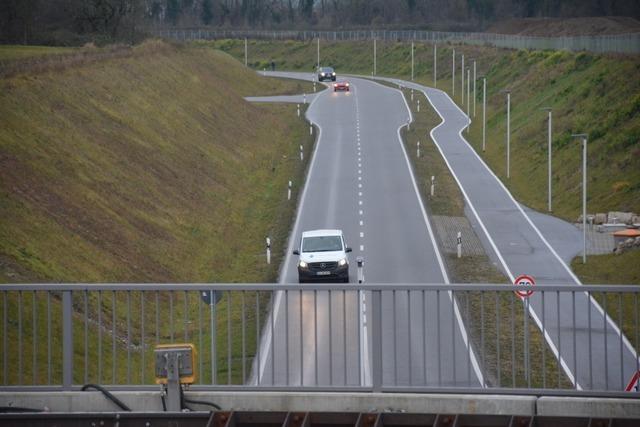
{"x": 322, "y": 244}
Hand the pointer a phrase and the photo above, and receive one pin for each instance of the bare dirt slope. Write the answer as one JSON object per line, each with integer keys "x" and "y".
{"x": 590, "y": 26}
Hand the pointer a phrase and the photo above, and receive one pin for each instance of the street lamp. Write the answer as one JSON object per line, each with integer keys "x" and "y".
{"x": 453, "y": 73}
{"x": 548, "y": 110}
{"x": 435, "y": 63}
{"x": 468, "y": 103}
{"x": 583, "y": 137}
{"x": 462, "y": 78}
{"x": 412, "y": 62}
{"x": 484, "y": 112}
{"x": 508, "y": 92}
{"x": 474, "y": 88}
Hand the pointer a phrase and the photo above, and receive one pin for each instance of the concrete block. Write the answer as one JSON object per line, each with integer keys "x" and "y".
{"x": 600, "y": 218}
{"x": 588, "y": 407}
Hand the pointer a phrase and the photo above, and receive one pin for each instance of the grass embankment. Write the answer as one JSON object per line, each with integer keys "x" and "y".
{"x": 495, "y": 319}
{"x": 146, "y": 167}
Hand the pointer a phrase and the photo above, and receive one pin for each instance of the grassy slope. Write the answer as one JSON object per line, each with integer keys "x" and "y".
{"x": 146, "y": 168}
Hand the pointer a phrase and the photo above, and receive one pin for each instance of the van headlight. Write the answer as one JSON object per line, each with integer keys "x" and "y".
{"x": 333, "y": 74}
{"x": 342, "y": 262}
{"x": 302, "y": 264}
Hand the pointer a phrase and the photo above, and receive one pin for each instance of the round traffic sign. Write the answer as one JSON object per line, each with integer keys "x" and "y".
{"x": 527, "y": 281}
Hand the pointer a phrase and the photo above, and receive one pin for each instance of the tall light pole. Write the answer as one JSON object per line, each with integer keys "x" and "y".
{"x": 453, "y": 74}
{"x": 548, "y": 110}
{"x": 474, "y": 88}
{"x": 318, "y": 51}
{"x": 246, "y": 49}
{"x": 583, "y": 137}
{"x": 412, "y": 62}
{"x": 468, "y": 103}
{"x": 374, "y": 56}
{"x": 462, "y": 78}
{"x": 484, "y": 112}
{"x": 435, "y": 64}
{"x": 508, "y": 92}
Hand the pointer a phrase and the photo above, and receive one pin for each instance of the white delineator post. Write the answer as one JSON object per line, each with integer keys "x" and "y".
{"x": 268, "y": 247}
{"x": 304, "y": 98}
{"x": 433, "y": 185}
{"x": 418, "y": 149}
{"x": 418, "y": 105}
{"x": 301, "y": 153}
{"x": 289, "y": 191}
{"x": 298, "y": 108}
{"x": 459, "y": 244}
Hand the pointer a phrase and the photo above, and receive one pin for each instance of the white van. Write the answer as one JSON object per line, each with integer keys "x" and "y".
{"x": 323, "y": 256}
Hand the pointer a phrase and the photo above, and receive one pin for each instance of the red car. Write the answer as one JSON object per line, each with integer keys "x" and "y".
{"x": 341, "y": 86}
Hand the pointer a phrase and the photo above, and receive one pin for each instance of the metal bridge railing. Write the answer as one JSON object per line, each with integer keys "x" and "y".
{"x": 471, "y": 338}
{"x": 617, "y": 43}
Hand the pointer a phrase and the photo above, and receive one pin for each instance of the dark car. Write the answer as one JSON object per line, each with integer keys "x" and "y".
{"x": 326, "y": 73}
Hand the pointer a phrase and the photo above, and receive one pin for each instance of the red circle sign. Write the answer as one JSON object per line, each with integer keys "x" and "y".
{"x": 524, "y": 280}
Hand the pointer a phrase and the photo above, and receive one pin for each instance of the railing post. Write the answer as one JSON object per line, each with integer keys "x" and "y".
{"x": 67, "y": 340}
{"x": 376, "y": 341}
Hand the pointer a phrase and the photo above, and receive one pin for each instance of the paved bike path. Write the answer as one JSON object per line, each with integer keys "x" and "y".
{"x": 593, "y": 353}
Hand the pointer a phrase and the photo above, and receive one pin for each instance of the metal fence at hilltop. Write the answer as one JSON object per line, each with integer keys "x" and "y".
{"x": 618, "y": 43}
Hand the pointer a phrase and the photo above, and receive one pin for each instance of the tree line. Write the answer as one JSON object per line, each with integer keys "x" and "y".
{"x": 74, "y": 21}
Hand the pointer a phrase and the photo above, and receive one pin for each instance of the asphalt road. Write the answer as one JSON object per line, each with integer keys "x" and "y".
{"x": 360, "y": 181}
{"x": 592, "y": 350}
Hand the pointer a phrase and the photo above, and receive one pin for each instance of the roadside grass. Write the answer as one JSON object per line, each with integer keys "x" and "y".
{"x": 496, "y": 320}
{"x": 12, "y": 52}
{"x": 148, "y": 168}
{"x": 623, "y": 308}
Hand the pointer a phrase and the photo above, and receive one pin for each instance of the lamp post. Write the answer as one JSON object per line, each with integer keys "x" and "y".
{"x": 462, "y": 78}
{"x": 474, "y": 88}
{"x": 318, "y": 52}
{"x": 484, "y": 112}
{"x": 435, "y": 64}
{"x": 548, "y": 110}
{"x": 468, "y": 103}
{"x": 508, "y": 92}
{"x": 583, "y": 137}
{"x": 374, "y": 56}
{"x": 453, "y": 73}
{"x": 412, "y": 62}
